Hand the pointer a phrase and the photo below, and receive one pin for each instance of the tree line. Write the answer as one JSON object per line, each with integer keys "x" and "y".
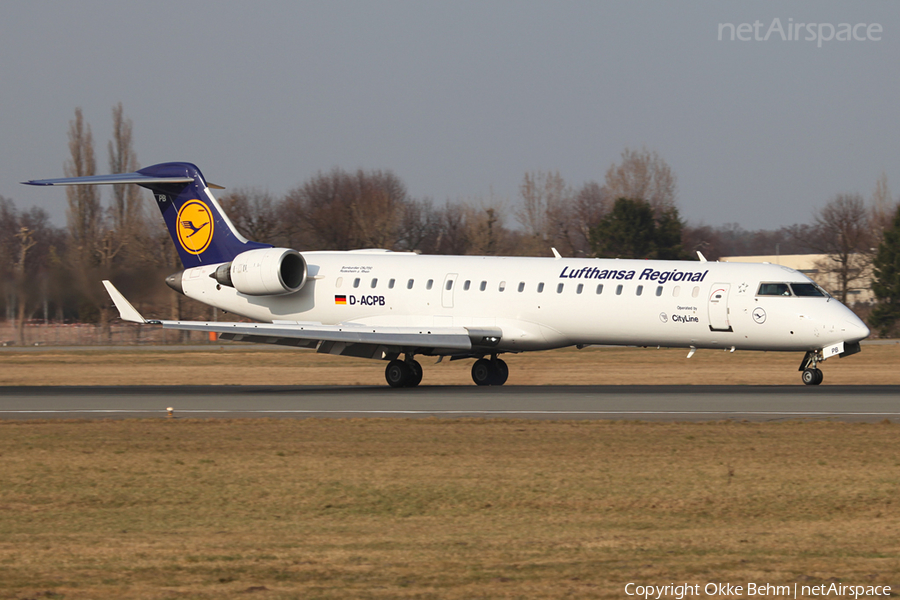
{"x": 53, "y": 273}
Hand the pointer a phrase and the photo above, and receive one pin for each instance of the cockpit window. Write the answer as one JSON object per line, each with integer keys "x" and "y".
{"x": 807, "y": 289}
{"x": 773, "y": 289}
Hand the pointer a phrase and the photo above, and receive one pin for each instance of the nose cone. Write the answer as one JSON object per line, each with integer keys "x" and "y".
{"x": 852, "y": 328}
{"x": 856, "y": 329}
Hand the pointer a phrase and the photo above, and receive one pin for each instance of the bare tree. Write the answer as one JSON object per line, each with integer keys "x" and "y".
{"x": 419, "y": 226}
{"x": 26, "y": 243}
{"x": 881, "y": 209}
{"x": 84, "y": 212}
{"x": 642, "y": 175}
{"x": 546, "y": 212}
{"x": 127, "y": 206}
{"x": 342, "y": 211}
{"x": 376, "y": 208}
{"x": 454, "y": 230}
{"x": 590, "y": 206}
{"x": 255, "y": 214}
{"x": 842, "y": 232}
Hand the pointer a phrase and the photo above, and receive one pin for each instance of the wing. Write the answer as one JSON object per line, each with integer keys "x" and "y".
{"x": 348, "y": 339}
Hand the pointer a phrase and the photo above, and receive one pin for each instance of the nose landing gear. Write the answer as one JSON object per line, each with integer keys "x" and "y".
{"x": 811, "y": 375}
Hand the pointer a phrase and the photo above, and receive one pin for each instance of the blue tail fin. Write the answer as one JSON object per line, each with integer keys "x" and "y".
{"x": 202, "y": 233}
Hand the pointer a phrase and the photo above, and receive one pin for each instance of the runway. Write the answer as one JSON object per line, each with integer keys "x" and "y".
{"x": 656, "y": 403}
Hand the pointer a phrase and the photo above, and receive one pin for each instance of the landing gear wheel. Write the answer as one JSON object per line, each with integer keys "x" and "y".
{"x": 501, "y": 372}
{"x": 490, "y": 372}
{"x": 482, "y": 372}
{"x": 415, "y": 373}
{"x": 812, "y": 376}
{"x": 398, "y": 374}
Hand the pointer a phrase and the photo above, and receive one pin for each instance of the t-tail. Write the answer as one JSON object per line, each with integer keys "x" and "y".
{"x": 200, "y": 229}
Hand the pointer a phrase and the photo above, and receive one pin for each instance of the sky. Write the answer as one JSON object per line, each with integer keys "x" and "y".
{"x": 460, "y": 99}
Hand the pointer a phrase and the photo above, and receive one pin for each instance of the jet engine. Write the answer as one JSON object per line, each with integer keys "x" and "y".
{"x": 264, "y": 272}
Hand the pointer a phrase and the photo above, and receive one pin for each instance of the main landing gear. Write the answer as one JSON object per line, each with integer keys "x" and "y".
{"x": 490, "y": 372}
{"x": 403, "y": 373}
{"x": 408, "y": 373}
{"x": 811, "y": 375}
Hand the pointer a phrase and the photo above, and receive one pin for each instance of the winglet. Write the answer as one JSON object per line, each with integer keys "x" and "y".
{"x": 556, "y": 253}
{"x": 126, "y": 311}
{"x": 701, "y": 257}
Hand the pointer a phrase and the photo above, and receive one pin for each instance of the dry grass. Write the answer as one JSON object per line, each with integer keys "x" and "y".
{"x": 877, "y": 364}
{"x": 439, "y": 508}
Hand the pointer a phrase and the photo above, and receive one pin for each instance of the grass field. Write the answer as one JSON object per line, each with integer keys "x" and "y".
{"x": 173, "y": 508}
{"x": 238, "y": 364}
{"x": 440, "y": 508}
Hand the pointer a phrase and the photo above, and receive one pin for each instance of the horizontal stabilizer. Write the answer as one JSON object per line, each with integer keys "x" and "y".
{"x": 137, "y": 178}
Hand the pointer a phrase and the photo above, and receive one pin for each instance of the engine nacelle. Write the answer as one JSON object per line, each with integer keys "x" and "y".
{"x": 264, "y": 272}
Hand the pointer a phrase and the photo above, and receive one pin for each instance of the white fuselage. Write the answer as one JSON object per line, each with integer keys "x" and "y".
{"x": 543, "y": 303}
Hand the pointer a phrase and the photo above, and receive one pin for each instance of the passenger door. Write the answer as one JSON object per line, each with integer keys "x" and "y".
{"x": 718, "y": 307}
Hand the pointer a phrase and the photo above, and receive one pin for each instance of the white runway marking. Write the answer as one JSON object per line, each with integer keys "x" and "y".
{"x": 462, "y": 412}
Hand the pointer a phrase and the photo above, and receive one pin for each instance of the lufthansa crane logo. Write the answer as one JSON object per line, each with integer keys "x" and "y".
{"x": 195, "y": 226}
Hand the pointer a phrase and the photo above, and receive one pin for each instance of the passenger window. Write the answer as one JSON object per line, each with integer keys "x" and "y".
{"x": 409, "y": 284}
{"x": 773, "y": 289}
{"x": 338, "y": 282}
{"x": 580, "y": 288}
{"x": 467, "y": 284}
{"x": 429, "y": 284}
{"x": 521, "y": 286}
{"x": 449, "y": 285}
{"x": 619, "y": 290}
{"x": 559, "y": 288}
{"x": 676, "y": 290}
{"x": 599, "y": 289}
{"x": 696, "y": 291}
{"x": 374, "y": 282}
{"x": 540, "y": 288}
{"x": 659, "y": 291}
{"x": 391, "y": 284}
{"x": 483, "y": 286}
{"x": 356, "y": 282}
{"x": 640, "y": 290}
{"x": 502, "y": 287}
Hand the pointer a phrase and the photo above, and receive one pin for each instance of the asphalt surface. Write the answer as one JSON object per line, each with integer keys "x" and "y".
{"x": 653, "y": 403}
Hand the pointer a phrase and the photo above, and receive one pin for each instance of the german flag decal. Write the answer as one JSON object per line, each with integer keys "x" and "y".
{"x": 340, "y": 299}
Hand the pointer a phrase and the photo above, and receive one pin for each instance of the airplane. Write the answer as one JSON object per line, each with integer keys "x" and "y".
{"x": 394, "y": 306}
